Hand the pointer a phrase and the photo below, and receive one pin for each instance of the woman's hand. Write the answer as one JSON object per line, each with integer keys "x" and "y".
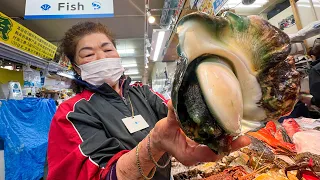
{"x": 168, "y": 136}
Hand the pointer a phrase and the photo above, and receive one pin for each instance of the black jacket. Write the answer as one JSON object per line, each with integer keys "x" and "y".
{"x": 87, "y": 131}
{"x": 314, "y": 84}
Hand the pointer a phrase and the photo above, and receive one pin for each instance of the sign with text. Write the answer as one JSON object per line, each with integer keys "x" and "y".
{"x": 217, "y": 5}
{"x": 58, "y": 9}
{"x": 16, "y": 35}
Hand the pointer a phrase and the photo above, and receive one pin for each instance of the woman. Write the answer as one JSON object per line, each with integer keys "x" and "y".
{"x": 90, "y": 137}
{"x": 314, "y": 78}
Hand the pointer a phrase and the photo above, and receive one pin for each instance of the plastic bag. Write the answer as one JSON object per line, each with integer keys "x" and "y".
{"x": 15, "y": 91}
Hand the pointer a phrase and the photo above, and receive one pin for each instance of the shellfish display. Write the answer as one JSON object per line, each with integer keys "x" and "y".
{"x": 233, "y": 75}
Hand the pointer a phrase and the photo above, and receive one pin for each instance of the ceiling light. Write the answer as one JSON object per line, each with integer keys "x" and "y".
{"x": 65, "y": 75}
{"x": 159, "y": 41}
{"x": 151, "y": 19}
{"x": 146, "y": 66}
{"x": 8, "y": 67}
{"x": 125, "y": 51}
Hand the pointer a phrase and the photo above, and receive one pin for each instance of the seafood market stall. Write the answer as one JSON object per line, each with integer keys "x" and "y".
{"x": 257, "y": 84}
{"x": 289, "y": 152}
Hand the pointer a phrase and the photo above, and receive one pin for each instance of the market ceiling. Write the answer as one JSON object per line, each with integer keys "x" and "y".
{"x": 127, "y": 25}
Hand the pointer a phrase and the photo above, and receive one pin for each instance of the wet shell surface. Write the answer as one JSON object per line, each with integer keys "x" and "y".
{"x": 233, "y": 74}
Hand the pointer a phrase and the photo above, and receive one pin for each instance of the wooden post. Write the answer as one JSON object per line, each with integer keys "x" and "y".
{"x": 297, "y": 18}
{"x": 296, "y": 14}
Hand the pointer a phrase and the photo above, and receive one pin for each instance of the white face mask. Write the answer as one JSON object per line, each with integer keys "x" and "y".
{"x": 107, "y": 70}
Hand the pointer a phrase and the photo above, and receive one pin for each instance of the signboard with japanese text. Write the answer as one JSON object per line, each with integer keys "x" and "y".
{"x": 18, "y": 36}
{"x": 48, "y": 9}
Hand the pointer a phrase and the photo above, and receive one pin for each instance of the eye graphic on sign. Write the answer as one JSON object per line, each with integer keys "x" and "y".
{"x": 45, "y": 7}
{"x": 96, "y": 5}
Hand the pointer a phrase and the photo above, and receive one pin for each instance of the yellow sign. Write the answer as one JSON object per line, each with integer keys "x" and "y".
{"x": 14, "y": 34}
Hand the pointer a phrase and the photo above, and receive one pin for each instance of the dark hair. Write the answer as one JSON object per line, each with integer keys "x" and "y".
{"x": 315, "y": 50}
{"x": 71, "y": 38}
{"x": 75, "y": 33}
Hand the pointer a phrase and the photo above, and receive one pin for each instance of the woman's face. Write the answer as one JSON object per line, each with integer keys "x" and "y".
{"x": 93, "y": 47}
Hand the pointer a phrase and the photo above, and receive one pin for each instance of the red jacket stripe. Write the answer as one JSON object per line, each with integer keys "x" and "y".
{"x": 65, "y": 158}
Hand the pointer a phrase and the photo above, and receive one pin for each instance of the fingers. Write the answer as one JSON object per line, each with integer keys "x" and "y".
{"x": 240, "y": 142}
{"x": 201, "y": 153}
{"x": 196, "y": 153}
{"x": 171, "y": 115}
{"x": 191, "y": 152}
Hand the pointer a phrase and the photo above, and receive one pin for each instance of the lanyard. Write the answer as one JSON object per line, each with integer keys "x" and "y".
{"x": 132, "y": 112}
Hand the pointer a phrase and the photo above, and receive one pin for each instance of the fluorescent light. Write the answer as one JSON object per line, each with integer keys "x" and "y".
{"x": 131, "y": 73}
{"x": 65, "y": 75}
{"x": 8, "y": 67}
{"x": 129, "y": 65}
{"x": 158, "y": 45}
{"x": 125, "y": 51}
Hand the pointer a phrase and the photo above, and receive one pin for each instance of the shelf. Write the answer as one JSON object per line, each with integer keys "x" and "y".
{"x": 13, "y": 54}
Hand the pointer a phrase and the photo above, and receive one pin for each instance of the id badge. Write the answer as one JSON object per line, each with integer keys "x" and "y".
{"x": 135, "y": 123}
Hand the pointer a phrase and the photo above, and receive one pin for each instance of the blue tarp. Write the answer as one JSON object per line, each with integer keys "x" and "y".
{"x": 24, "y": 127}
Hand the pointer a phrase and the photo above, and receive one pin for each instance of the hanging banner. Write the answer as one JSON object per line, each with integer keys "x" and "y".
{"x": 211, "y": 7}
{"x": 48, "y": 9}
{"x": 16, "y": 35}
{"x": 217, "y": 5}
{"x": 206, "y": 6}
